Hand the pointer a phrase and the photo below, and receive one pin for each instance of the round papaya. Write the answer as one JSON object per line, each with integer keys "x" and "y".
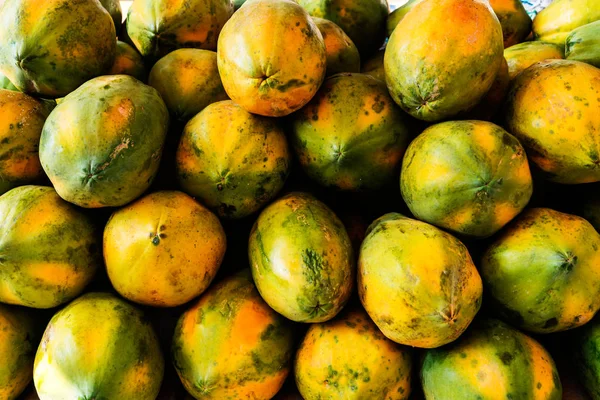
{"x": 49, "y": 250}
{"x": 254, "y": 57}
{"x": 349, "y": 358}
{"x": 470, "y": 177}
{"x": 342, "y": 54}
{"x": 188, "y": 80}
{"x": 543, "y": 272}
{"x": 363, "y": 21}
{"x": 99, "y": 347}
{"x": 491, "y": 104}
{"x": 523, "y": 55}
{"x": 398, "y": 14}
{"x": 6, "y": 84}
{"x": 515, "y": 22}
{"x": 231, "y": 345}
{"x": 351, "y": 135}
{"x": 22, "y": 119}
{"x": 55, "y": 45}
{"x": 302, "y": 259}
{"x": 374, "y": 66}
{"x": 583, "y": 44}
{"x": 233, "y": 161}
{"x": 417, "y": 282}
{"x": 101, "y": 146}
{"x": 18, "y": 341}
{"x": 163, "y": 250}
{"x": 158, "y": 27}
{"x": 552, "y": 110}
{"x": 429, "y": 83}
{"x": 114, "y": 9}
{"x": 128, "y": 62}
{"x": 491, "y": 361}
{"x": 586, "y": 346}
{"x": 554, "y": 23}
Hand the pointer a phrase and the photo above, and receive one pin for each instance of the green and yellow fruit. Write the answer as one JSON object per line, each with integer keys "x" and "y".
{"x": 583, "y": 44}
{"x": 342, "y": 54}
{"x": 586, "y": 346}
{"x": 554, "y": 23}
{"x": 516, "y": 23}
{"x": 5, "y": 83}
{"x": 523, "y": 55}
{"x": 398, "y": 14}
{"x": 491, "y": 104}
{"x": 114, "y": 9}
{"x": 128, "y": 62}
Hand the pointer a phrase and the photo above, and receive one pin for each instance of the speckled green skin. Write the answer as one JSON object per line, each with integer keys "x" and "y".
{"x": 49, "y": 48}
{"x": 302, "y": 259}
{"x": 342, "y": 54}
{"x": 158, "y": 27}
{"x": 5, "y": 83}
{"x": 351, "y": 135}
{"x": 396, "y": 16}
{"x": 583, "y": 44}
{"x": 66, "y": 238}
{"x": 101, "y": 146}
{"x": 129, "y": 62}
{"x": 490, "y": 361}
{"x": 99, "y": 347}
{"x": 114, "y": 9}
{"x": 470, "y": 167}
{"x": 543, "y": 272}
{"x": 374, "y": 66}
{"x": 586, "y": 346}
{"x": 363, "y": 21}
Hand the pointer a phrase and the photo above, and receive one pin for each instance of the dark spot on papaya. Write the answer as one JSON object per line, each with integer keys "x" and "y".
{"x": 220, "y": 187}
{"x": 539, "y": 385}
{"x": 506, "y": 358}
{"x": 551, "y": 323}
{"x": 265, "y": 159}
{"x": 156, "y": 240}
{"x": 19, "y": 125}
{"x": 162, "y": 236}
{"x": 106, "y": 87}
{"x": 11, "y": 126}
{"x": 350, "y": 324}
{"x": 5, "y": 140}
{"x": 297, "y": 23}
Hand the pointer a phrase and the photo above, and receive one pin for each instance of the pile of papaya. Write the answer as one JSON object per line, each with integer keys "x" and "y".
{"x": 299, "y": 199}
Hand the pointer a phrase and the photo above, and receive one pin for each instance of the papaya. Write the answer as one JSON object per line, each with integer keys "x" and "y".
{"x": 417, "y": 282}
{"x": 301, "y": 258}
{"x": 188, "y": 81}
{"x": 543, "y": 271}
{"x": 351, "y": 135}
{"x": 364, "y": 21}
{"x": 19, "y": 336}
{"x": 254, "y": 60}
{"x": 99, "y": 347}
{"x": 398, "y": 14}
{"x": 583, "y": 44}
{"x": 342, "y": 54}
{"x": 233, "y": 161}
{"x": 374, "y": 66}
{"x": 554, "y": 23}
{"x": 551, "y": 109}
{"x": 158, "y": 27}
{"x": 469, "y": 177}
{"x": 231, "y": 345}
{"x": 516, "y": 23}
{"x": 163, "y": 250}
{"x": 114, "y": 9}
{"x": 49, "y": 249}
{"x": 429, "y": 83}
{"x": 238, "y": 3}
{"x": 523, "y": 55}
{"x": 491, "y": 104}
{"x": 128, "y": 62}
{"x": 101, "y": 146}
{"x": 22, "y": 119}
{"x": 586, "y": 347}
{"x": 349, "y": 358}
{"x": 50, "y": 48}
{"x": 491, "y": 361}
{"x": 6, "y": 84}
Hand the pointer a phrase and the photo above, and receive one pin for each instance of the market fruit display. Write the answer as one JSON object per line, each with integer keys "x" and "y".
{"x": 492, "y": 360}
{"x": 554, "y": 23}
{"x": 516, "y": 24}
{"x": 583, "y": 44}
{"x": 351, "y": 135}
{"x": 586, "y": 347}
{"x": 342, "y": 54}
{"x": 231, "y": 345}
{"x": 98, "y": 346}
{"x": 350, "y": 358}
{"x": 523, "y": 55}
{"x": 234, "y": 161}
{"x": 45, "y": 48}
{"x": 417, "y": 282}
{"x": 128, "y": 62}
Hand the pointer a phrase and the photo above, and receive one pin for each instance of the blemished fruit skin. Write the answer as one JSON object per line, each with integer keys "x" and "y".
{"x": 491, "y": 361}
{"x": 233, "y": 161}
{"x": 22, "y": 119}
{"x": 583, "y": 44}
{"x": 351, "y": 135}
{"x": 98, "y": 347}
{"x": 543, "y": 271}
{"x": 5, "y": 83}
{"x": 164, "y": 249}
{"x": 586, "y": 347}
{"x": 230, "y": 345}
{"x": 516, "y": 23}
{"x": 49, "y": 250}
{"x": 102, "y": 145}
{"x": 552, "y": 110}
{"x": 49, "y": 48}
{"x": 342, "y": 54}
{"x": 363, "y": 21}
{"x": 158, "y": 27}
{"x": 128, "y": 62}
{"x": 374, "y": 66}
{"x": 254, "y": 59}
{"x": 429, "y": 83}
{"x": 349, "y": 358}
{"x": 114, "y": 9}
{"x": 554, "y": 23}
{"x": 188, "y": 81}
{"x": 19, "y": 338}
{"x": 523, "y": 55}
{"x": 470, "y": 177}
{"x": 417, "y": 282}
{"x": 302, "y": 259}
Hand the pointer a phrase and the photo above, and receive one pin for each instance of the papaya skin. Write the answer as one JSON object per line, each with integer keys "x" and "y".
{"x": 129, "y": 62}
{"x": 523, "y": 55}
{"x": 516, "y": 23}
{"x": 554, "y": 23}
{"x": 583, "y": 44}
{"x": 342, "y": 54}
